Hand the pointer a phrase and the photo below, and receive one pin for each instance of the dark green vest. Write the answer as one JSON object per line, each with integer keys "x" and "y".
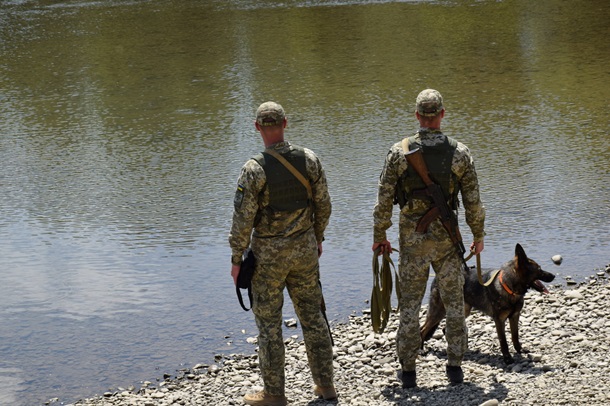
{"x": 438, "y": 160}
{"x": 286, "y": 193}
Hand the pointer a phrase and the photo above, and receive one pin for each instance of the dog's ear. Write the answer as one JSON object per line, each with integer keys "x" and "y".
{"x": 521, "y": 257}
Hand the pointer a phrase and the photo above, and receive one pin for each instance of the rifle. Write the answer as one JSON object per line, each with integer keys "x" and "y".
{"x": 415, "y": 158}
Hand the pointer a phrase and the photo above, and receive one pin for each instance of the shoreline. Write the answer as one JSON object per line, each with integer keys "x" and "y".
{"x": 566, "y": 331}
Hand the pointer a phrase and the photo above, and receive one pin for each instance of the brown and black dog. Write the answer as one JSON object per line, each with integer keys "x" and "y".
{"x": 501, "y": 300}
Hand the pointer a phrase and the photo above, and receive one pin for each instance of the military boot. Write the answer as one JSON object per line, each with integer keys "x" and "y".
{"x": 409, "y": 379}
{"x": 262, "y": 398}
{"x": 455, "y": 374}
{"x": 326, "y": 392}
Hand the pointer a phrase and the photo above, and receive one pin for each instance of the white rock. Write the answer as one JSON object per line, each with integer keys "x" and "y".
{"x": 573, "y": 294}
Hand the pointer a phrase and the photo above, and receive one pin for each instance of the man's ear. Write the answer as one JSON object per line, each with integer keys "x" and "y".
{"x": 285, "y": 123}
{"x": 258, "y": 127}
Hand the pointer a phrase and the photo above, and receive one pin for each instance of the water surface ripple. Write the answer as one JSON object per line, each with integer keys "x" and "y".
{"x": 124, "y": 124}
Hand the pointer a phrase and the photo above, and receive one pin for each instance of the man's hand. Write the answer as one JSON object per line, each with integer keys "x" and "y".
{"x": 384, "y": 246}
{"x": 477, "y": 247}
{"x": 235, "y": 272}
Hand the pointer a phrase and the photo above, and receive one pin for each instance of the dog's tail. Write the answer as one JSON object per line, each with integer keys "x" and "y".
{"x": 428, "y": 329}
{"x": 434, "y": 316}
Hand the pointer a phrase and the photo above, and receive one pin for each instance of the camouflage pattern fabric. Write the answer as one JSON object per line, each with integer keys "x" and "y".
{"x": 290, "y": 262}
{"x": 419, "y": 251}
{"x": 252, "y": 198}
{"x": 285, "y": 245}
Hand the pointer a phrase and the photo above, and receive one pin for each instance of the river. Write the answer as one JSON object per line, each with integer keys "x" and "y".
{"x": 124, "y": 125}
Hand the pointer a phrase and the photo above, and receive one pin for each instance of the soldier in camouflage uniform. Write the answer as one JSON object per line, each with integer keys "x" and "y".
{"x": 285, "y": 229}
{"x": 419, "y": 250}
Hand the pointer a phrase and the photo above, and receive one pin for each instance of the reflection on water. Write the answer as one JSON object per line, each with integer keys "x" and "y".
{"x": 124, "y": 125}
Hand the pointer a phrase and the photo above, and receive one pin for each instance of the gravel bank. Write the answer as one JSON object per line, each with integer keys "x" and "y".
{"x": 567, "y": 332}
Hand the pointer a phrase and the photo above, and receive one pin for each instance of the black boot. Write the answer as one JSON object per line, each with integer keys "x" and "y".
{"x": 408, "y": 379}
{"x": 455, "y": 374}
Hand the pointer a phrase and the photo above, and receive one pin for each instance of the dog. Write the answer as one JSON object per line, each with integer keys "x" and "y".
{"x": 502, "y": 299}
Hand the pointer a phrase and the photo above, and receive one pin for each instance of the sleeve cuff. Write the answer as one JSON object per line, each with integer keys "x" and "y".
{"x": 379, "y": 236}
{"x": 479, "y": 236}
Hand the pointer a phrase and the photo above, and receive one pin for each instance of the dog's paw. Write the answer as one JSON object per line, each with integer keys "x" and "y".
{"x": 508, "y": 359}
{"x": 522, "y": 350}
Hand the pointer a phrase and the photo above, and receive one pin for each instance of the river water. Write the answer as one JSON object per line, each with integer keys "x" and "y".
{"x": 124, "y": 124}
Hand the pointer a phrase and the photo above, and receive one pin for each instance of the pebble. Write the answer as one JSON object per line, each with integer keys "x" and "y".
{"x": 573, "y": 294}
{"x": 566, "y": 365}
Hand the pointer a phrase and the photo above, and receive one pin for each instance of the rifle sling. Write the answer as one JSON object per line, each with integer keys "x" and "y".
{"x": 292, "y": 170}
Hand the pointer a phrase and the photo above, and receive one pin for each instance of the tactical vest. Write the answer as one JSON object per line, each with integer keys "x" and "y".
{"x": 438, "y": 160}
{"x": 286, "y": 192}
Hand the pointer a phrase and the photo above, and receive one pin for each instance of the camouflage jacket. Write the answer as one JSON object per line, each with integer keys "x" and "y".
{"x": 463, "y": 168}
{"x": 252, "y": 198}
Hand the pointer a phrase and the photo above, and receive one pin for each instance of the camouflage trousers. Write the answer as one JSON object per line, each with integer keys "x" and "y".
{"x": 292, "y": 263}
{"x": 419, "y": 251}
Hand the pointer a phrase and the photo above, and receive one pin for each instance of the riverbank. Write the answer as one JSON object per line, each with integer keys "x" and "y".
{"x": 567, "y": 332}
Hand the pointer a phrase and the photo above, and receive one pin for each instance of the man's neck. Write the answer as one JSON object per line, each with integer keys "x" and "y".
{"x": 432, "y": 123}
{"x": 270, "y": 139}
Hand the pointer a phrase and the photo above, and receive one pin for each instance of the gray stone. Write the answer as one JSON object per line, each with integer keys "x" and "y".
{"x": 568, "y": 329}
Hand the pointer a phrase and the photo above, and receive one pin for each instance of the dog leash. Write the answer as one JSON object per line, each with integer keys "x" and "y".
{"x": 479, "y": 273}
{"x": 382, "y": 290}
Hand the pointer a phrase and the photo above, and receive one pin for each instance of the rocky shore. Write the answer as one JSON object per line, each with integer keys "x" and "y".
{"x": 567, "y": 332}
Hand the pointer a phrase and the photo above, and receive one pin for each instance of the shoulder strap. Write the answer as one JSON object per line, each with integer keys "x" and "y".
{"x": 405, "y": 145}
{"x": 292, "y": 170}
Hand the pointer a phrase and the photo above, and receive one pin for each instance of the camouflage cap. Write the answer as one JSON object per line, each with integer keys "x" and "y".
{"x": 270, "y": 113}
{"x": 429, "y": 103}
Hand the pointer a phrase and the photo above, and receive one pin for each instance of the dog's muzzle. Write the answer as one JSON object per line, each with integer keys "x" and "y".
{"x": 546, "y": 277}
